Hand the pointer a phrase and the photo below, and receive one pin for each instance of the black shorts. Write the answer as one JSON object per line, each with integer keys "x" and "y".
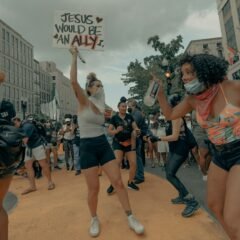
{"x": 95, "y": 151}
{"x": 227, "y": 155}
{"x": 117, "y": 146}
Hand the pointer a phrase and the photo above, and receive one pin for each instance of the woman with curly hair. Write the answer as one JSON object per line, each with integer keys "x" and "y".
{"x": 94, "y": 147}
{"x": 217, "y": 103}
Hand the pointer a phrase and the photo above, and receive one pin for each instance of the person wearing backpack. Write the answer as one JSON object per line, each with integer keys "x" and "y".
{"x": 35, "y": 150}
{"x": 10, "y": 154}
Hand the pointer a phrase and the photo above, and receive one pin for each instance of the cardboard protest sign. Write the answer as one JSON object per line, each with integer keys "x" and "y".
{"x": 82, "y": 30}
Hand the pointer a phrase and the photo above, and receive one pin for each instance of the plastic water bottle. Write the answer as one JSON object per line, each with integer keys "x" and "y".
{"x": 151, "y": 94}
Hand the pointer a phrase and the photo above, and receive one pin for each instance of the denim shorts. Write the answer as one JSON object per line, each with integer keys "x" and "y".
{"x": 227, "y": 155}
{"x": 95, "y": 151}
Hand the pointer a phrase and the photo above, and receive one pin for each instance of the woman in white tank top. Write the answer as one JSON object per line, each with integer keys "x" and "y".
{"x": 94, "y": 147}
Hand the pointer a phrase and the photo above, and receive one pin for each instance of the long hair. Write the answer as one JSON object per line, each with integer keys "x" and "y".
{"x": 209, "y": 69}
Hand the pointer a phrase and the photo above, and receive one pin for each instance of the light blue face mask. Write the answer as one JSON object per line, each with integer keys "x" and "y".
{"x": 194, "y": 87}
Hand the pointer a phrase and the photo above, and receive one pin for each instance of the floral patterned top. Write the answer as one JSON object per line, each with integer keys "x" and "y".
{"x": 224, "y": 128}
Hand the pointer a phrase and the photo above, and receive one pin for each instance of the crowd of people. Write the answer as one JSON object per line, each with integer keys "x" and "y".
{"x": 93, "y": 143}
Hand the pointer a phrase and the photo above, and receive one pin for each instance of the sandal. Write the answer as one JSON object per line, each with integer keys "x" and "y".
{"x": 51, "y": 186}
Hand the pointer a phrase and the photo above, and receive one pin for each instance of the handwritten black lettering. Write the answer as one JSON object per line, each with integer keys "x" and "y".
{"x": 64, "y": 39}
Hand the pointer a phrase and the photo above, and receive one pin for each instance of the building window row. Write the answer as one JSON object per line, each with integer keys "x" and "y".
{"x": 16, "y": 48}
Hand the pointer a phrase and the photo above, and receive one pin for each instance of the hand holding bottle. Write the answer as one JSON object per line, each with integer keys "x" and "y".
{"x": 154, "y": 87}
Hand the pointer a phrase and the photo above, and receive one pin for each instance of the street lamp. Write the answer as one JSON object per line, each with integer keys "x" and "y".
{"x": 169, "y": 84}
{"x": 168, "y": 74}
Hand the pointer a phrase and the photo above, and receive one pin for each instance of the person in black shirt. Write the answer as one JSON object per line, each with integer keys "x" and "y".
{"x": 35, "y": 150}
{"x": 124, "y": 129}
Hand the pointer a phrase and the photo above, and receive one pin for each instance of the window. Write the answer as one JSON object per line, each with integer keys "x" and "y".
{"x": 3, "y": 34}
{"x": 231, "y": 37}
{"x": 226, "y": 9}
{"x": 219, "y": 45}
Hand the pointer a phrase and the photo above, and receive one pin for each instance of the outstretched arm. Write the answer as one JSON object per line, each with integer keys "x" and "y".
{"x": 172, "y": 113}
{"x": 79, "y": 92}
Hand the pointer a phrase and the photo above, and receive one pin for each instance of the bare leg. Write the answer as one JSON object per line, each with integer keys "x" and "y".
{"x": 46, "y": 170}
{"x": 31, "y": 179}
{"x": 231, "y": 205}
{"x": 48, "y": 153}
{"x": 131, "y": 156}
{"x": 92, "y": 180}
{"x": 55, "y": 156}
{"x": 216, "y": 190}
{"x": 4, "y": 183}
{"x": 112, "y": 170}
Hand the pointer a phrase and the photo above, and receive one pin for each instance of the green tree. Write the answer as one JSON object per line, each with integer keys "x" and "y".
{"x": 138, "y": 74}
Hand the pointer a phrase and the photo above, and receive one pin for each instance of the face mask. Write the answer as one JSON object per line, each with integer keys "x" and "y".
{"x": 98, "y": 98}
{"x": 130, "y": 110}
{"x": 194, "y": 87}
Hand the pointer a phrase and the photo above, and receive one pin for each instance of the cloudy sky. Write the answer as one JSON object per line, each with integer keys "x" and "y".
{"x": 127, "y": 26}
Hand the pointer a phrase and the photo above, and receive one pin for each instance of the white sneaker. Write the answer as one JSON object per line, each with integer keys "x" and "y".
{"x": 94, "y": 229}
{"x": 135, "y": 225}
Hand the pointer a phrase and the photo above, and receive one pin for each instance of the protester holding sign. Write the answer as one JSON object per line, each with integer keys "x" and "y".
{"x": 95, "y": 149}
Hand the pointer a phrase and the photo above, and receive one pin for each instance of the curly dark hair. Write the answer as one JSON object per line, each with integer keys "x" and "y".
{"x": 209, "y": 69}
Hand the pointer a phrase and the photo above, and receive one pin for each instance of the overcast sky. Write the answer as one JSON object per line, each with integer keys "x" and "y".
{"x": 127, "y": 26}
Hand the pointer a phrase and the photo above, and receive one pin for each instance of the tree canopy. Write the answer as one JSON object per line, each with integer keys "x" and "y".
{"x": 167, "y": 58}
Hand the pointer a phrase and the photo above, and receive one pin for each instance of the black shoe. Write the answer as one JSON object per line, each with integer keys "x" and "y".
{"x": 191, "y": 208}
{"x": 138, "y": 181}
{"x": 178, "y": 200}
{"x": 110, "y": 189}
{"x": 67, "y": 166}
{"x": 133, "y": 186}
{"x": 78, "y": 172}
{"x": 57, "y": 167}
{"x": 38, "y": 175}
{"x": 72, "y": 168}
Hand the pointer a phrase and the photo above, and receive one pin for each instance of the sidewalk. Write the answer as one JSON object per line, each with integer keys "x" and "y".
{"x": 63, "y": 213}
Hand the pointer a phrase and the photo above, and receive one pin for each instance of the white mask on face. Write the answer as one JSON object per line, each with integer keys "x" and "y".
{"x": 194, "y": 87}
{"x": 98, "y": 98}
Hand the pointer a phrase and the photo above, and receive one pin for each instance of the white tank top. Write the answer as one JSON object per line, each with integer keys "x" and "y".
{"x": 90, "y": 123}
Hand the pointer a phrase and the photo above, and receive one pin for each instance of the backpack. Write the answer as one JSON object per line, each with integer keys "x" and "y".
{"x": 40, "y": 129}
{"x": 11, "y": 149}
{"x": 7, "y": 112}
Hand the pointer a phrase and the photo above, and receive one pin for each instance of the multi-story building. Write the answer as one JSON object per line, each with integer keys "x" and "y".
{"x": 30, "y": 83}
{"x": 16, "y": 60}
{"x": 210, "y": 45}
{"x": 67, "y": 103}
{"x": 229, "y": 16}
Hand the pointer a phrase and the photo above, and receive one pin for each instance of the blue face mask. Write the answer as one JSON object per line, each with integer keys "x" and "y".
{"x": 194, "y": 87}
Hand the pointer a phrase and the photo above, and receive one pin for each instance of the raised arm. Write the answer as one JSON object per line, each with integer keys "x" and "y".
{"x": 172, "y": 113}
{"x": 79, "y": 92}
{"x": 176, "y": 127}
